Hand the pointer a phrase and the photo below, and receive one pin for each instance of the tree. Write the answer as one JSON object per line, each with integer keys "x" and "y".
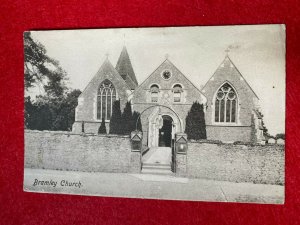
{"x": 63, "y": 111}
{"x": 136, "y": 120}
{"x": 195, "y": 122}
{"x": 127, "y": 119}
{"x": 51, "y": 114}
{"x": 42, "y": 70}
{"x": 116, "y": 119}
{"x": 264, "y": 128}
{"x": 280, "y": 135}
{"x": 102, "y": 128}
{"x": 41, "y": 117}
{"x": 28, "y": 112}
{"x": 55, "y": 109}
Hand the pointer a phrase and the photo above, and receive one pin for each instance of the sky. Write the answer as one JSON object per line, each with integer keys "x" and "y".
{"x": 258, "y": 51}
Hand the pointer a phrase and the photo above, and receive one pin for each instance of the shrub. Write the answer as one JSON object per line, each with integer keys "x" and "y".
{"x": 102, "y": 128}
{"x": 195, "y": 123}
{"x": 115, "y": 125}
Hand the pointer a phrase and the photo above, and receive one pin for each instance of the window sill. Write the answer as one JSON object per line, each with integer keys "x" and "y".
{"x": 225, "y": 124}
{"x": 106, "y": 121}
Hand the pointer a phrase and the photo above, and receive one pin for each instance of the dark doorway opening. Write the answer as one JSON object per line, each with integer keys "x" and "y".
{"x": 165, "y": 133}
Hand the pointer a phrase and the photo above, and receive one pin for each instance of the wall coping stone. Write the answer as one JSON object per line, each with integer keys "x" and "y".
{"x": 204, "y": 141}
{"x": 78, "y": 134}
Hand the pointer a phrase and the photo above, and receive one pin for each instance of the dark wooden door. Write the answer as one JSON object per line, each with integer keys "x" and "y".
{"x": 165, "y": 134}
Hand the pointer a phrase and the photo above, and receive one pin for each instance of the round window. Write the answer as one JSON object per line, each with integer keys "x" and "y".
{"x": 166, "y": 74}
{"x": 220, "y": 95}
{"x": 231, "y": 95}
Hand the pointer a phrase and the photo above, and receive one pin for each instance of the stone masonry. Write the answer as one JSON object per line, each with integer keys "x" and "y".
{"x": 236, "y": 162}
{"x": 247, "y": 102}
{"x": 74, "y": 152}
{"x": 141, "y": 97}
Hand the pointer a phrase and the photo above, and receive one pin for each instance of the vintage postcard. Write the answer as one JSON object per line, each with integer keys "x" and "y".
{"x": 181, "y": 113}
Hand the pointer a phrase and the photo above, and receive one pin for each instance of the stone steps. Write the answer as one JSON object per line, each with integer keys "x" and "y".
{"x": 157, "y": 171}
{"x": 156, "y": 168}
{"x": 157, "y": 161}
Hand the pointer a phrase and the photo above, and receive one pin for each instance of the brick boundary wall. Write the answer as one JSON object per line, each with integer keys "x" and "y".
{"x": 236, "y": 162}
{"x": 57, "y": 150}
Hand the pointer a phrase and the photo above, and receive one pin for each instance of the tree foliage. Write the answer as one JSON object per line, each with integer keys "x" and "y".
{"x": 195, "y": 122}
{"x": 48, "y": 114}
{"x": 264, "y": 128}
{"x": 102, "y": 128}
{"x": 124, "y": 123}
{"x": 127, "y": 119}
{"x": 55, "y": 108}
{"x": 41, "y": 70}
{"x": 37, "y": 115}
{"x": 280, "y": 135}
{"x": 137, "y": 125}
{"x": 115, "y": 125}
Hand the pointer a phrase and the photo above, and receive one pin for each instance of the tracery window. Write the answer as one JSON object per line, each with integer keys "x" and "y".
{"x": 105, "y": 99}
{"x": 177, "y": 90}
{"x": 154, "y": 89}
{"x": 226, "y": 105}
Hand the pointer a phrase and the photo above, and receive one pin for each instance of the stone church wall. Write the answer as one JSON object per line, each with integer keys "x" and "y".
{"x": 86, "y": 109}
{"x": 246, "y": 97}
{"x": 89, "y": 127}
{"x": 229, "y": 133}
{"x": 141, "y": 97}
{"x": 236, "y": 163}
{"x": 74, "y": 152}
{"x": 247, "y": 101}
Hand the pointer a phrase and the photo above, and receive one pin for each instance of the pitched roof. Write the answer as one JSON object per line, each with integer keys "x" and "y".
{"x": 124, "y": 68}
{"x": 227, "y": 62}
{"x": 105, "y": 68}
{"x": 168, "y": 61}
{"x": 258, "y": 114}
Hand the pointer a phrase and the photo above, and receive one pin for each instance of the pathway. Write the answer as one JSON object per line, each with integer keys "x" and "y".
{"x": 157, "y": 161}
{"x": 153, "y": 187}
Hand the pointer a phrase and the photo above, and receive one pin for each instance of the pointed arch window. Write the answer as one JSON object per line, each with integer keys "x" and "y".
{"x": 154, "y": 89}
{"x": 105, "y": 99}
{"x": 226, "y": 105}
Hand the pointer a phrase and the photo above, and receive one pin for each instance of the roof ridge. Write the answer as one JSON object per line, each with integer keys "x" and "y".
{"x": 241, "y": 75}
{"x": 148, "y": 77}
{"x": 186, "y": 78}
{"x": 227, "y": 57}
{"x": 108, "y": 63}
{"x": 175, "y": 68}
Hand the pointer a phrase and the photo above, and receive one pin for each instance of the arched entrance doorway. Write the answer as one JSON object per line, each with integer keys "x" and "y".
{"x": 163, "y": 124}
{"x": 165, "y": 132}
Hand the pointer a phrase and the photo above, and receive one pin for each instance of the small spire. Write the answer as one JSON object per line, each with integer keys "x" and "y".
{"x": 124, "y": 38}
{"x": 227, "y": 62}
{"x": 107, "y": 55}
{"x": 167, "y": 56}
{"x": 124, "y": 67}
{"x": 227, "y": 51}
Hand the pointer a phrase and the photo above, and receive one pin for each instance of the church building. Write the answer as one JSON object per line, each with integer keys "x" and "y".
{"x": 165, "y": 98}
